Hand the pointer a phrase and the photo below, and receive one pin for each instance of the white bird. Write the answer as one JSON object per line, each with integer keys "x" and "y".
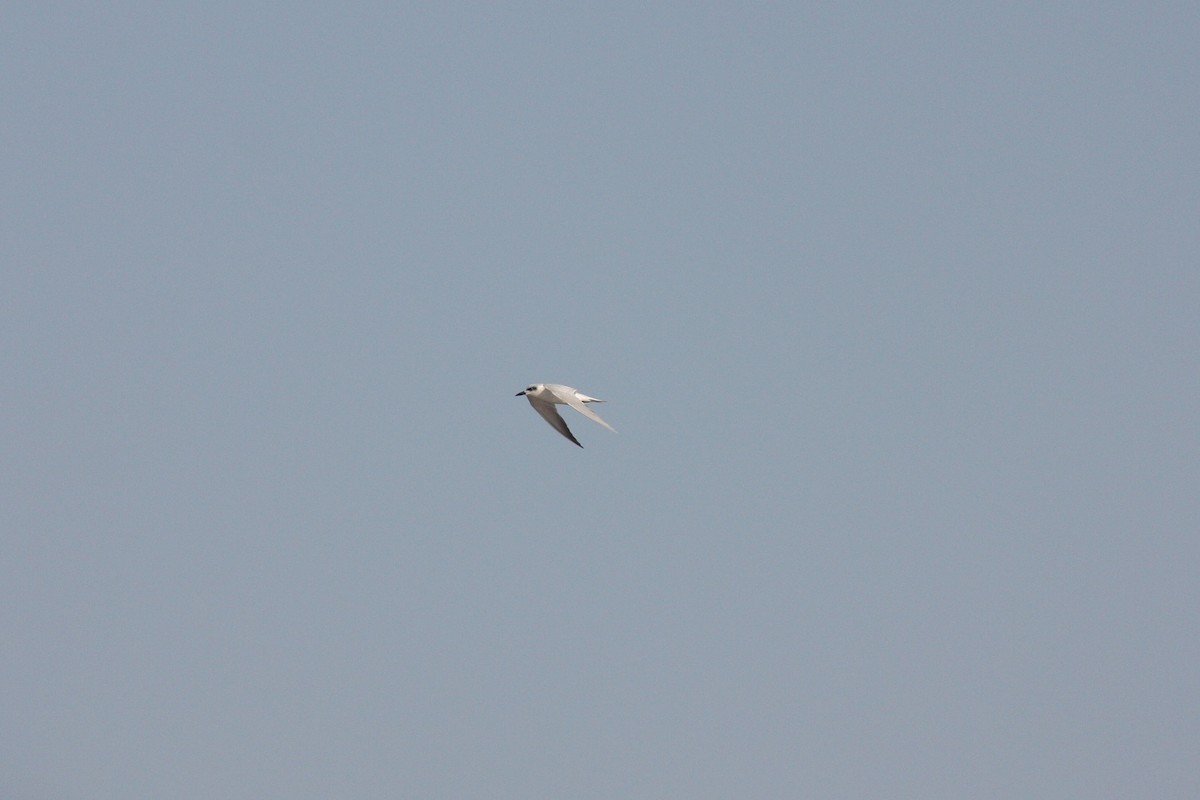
{"x": 545, "y": 396}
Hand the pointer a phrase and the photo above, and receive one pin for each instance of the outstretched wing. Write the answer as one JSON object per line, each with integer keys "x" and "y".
{"x": 551, "y": 415}
{"x": 574, "y": 402}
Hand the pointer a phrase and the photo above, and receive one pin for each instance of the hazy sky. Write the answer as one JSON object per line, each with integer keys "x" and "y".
{"x": 896, "y": 309}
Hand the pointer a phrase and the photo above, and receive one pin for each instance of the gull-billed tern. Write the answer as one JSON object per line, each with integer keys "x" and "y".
{"x": 545, "y": 396}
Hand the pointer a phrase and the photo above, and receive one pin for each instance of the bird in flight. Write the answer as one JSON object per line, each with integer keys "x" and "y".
{"x": 545, "y": 396}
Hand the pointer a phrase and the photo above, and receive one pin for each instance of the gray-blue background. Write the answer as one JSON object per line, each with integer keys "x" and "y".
{"x": 896, "y": 308}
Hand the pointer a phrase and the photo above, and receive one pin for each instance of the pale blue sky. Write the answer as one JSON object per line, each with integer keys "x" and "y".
{"x": 896, "y": 310}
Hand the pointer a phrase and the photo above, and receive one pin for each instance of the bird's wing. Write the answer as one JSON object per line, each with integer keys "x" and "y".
{"x": 551, "y": 415}
{"x": 574, "y": 402}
